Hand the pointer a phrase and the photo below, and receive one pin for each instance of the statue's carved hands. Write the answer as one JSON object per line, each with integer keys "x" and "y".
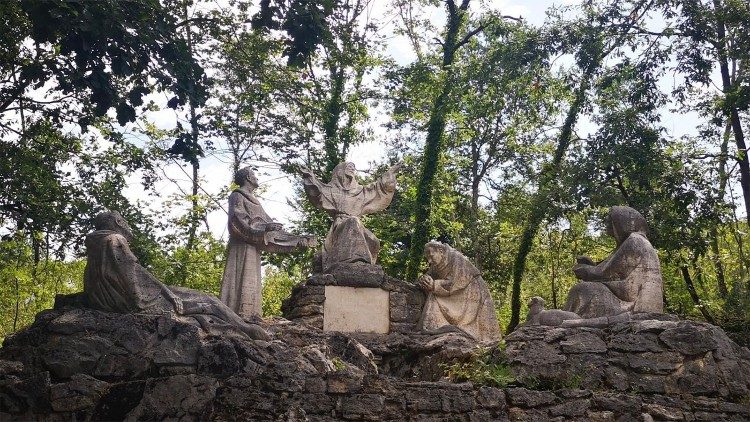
{"x": 584, "y": 260}
{"x": 426, "y": 283}
{"x": 272, "y": 227}
{"x": 308, "y": 242}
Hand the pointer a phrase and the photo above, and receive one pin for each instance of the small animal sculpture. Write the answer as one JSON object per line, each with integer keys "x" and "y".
{"x": 550, "y": 317}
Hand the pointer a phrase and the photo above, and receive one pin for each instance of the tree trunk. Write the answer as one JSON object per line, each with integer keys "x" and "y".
{"x": 333, "y": 110}
{"x": 694, "y": 294}
{"x": 434, "y": 142}
{"x": 541, "y": 198}
{"x": 195, "y": 218}
{"x": 730, "y": 109}
{"x": 721, "y": 283}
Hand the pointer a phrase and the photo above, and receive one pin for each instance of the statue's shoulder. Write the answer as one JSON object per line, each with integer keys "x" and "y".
{"x": 99, "y": 237}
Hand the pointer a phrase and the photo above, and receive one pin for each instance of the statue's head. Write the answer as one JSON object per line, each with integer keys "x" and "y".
{"x": 246, "y": 176}
{"x": 344, "y": 175}
{"x": 112, "y": 220}
{"x": 536, "y": 304}
{"x": 623, "y": 221}
{"x": 435, "y": 252}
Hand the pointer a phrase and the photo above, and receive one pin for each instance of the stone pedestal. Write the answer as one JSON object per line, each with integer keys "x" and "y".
{"x": 355, "y": 298}
{"x": 356, "y": 309}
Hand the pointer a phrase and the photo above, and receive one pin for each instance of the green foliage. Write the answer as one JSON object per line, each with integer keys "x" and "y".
{"x": 199, "y": 268}
{"x": 277, "y": 286}
{"x": 573, "y": 382}
{"x": 28, "y": 287}
{"x": 486, "y": 367}
{"x": 338, "y": 364}
{"x": 108, "y": 52}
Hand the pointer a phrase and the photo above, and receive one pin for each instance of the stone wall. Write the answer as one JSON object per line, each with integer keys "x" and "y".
{"x": 77, "y": 364}
{"x": 648, "y": 356}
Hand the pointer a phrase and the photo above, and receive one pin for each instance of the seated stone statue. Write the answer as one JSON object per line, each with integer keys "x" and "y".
{"x": 550, "y": 317}
{"x": 456, "y": 295}
{"x": 629, "y": 280}
{"x": 114, "y": 281}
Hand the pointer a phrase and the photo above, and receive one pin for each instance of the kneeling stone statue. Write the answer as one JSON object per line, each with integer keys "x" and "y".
{"x": 456, "y": 295}
{"x": 114, "y": 281}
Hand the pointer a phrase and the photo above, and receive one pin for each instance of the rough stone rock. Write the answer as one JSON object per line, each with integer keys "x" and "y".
{"x": 307, "y": 374}
{"x": 689, "y": 338}
{"x": 522, "y": 397}
{"x": 81, "y": 392}
{"x": 648, "y": 356}
{"x": 583, "y": 342}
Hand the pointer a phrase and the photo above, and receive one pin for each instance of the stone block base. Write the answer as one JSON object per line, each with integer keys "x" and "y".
{"x": 356, "y": 310}
{"x": 398, "y": 301}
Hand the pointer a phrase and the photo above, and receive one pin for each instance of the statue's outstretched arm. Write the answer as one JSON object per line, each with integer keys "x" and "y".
{"x": 311, "y": 183}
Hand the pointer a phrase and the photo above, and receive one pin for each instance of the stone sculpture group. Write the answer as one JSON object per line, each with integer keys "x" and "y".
{"x": 114, "y": 281}
{"x": 456, "y": 298}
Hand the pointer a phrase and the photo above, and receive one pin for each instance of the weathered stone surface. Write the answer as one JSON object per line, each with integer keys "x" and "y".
{"x": 522, "y": 397}
{"x": 490, "y": 398}
{"x": 345, "y": 200}
{"x": 550, "y": 317}
{"x": 646, "y": 356}
{"x": 356, "y": 309}
{"x": 251, "y": 230}
{"x": 306, "y": 304}
{"x": 634, "y": 282}
{"x": 81, "y": 392}
{"x": 583, "y": 342}
{"x": 457, "y": 296}
{"x": 308, "y": 374}
{"x": 114, "y": 281}
{"x": 689, "y": 338}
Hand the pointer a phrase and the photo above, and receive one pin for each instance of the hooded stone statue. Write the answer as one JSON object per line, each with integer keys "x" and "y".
{"x": 629, "y": 280}
{"x": 456, "y": 295}
{"x": 251, "y": 230}
{"x": 346, "y": 201}
{"x": 114, "y": 281}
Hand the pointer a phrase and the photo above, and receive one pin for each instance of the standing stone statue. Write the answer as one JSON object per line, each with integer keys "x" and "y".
{"x": 629, "y": 280}
{"x": 456, "y": 295}
{"x": 251, "y": 231}
{"x": 346, "y": 201}
{"x": 114, "y": 281}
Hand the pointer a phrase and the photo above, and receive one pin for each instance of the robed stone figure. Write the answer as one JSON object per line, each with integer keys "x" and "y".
{"x": 114, "y": 281}
{"x": 628, "y": 281}
{"x": 346, "y": 201}
{"x": 457, "y": 296}
{"x": 251, "y": 231}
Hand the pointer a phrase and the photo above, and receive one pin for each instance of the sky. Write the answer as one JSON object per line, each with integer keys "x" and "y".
{"x": 277, "y": 188}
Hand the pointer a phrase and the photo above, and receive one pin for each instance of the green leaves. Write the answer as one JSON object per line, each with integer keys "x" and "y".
{"x": 109, "y": 51}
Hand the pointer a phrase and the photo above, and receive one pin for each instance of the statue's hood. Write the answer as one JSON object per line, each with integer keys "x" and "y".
{"x": 454, "y": 264}
{"x": 626, "y": 221}
{"x": 340, "y": 180}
